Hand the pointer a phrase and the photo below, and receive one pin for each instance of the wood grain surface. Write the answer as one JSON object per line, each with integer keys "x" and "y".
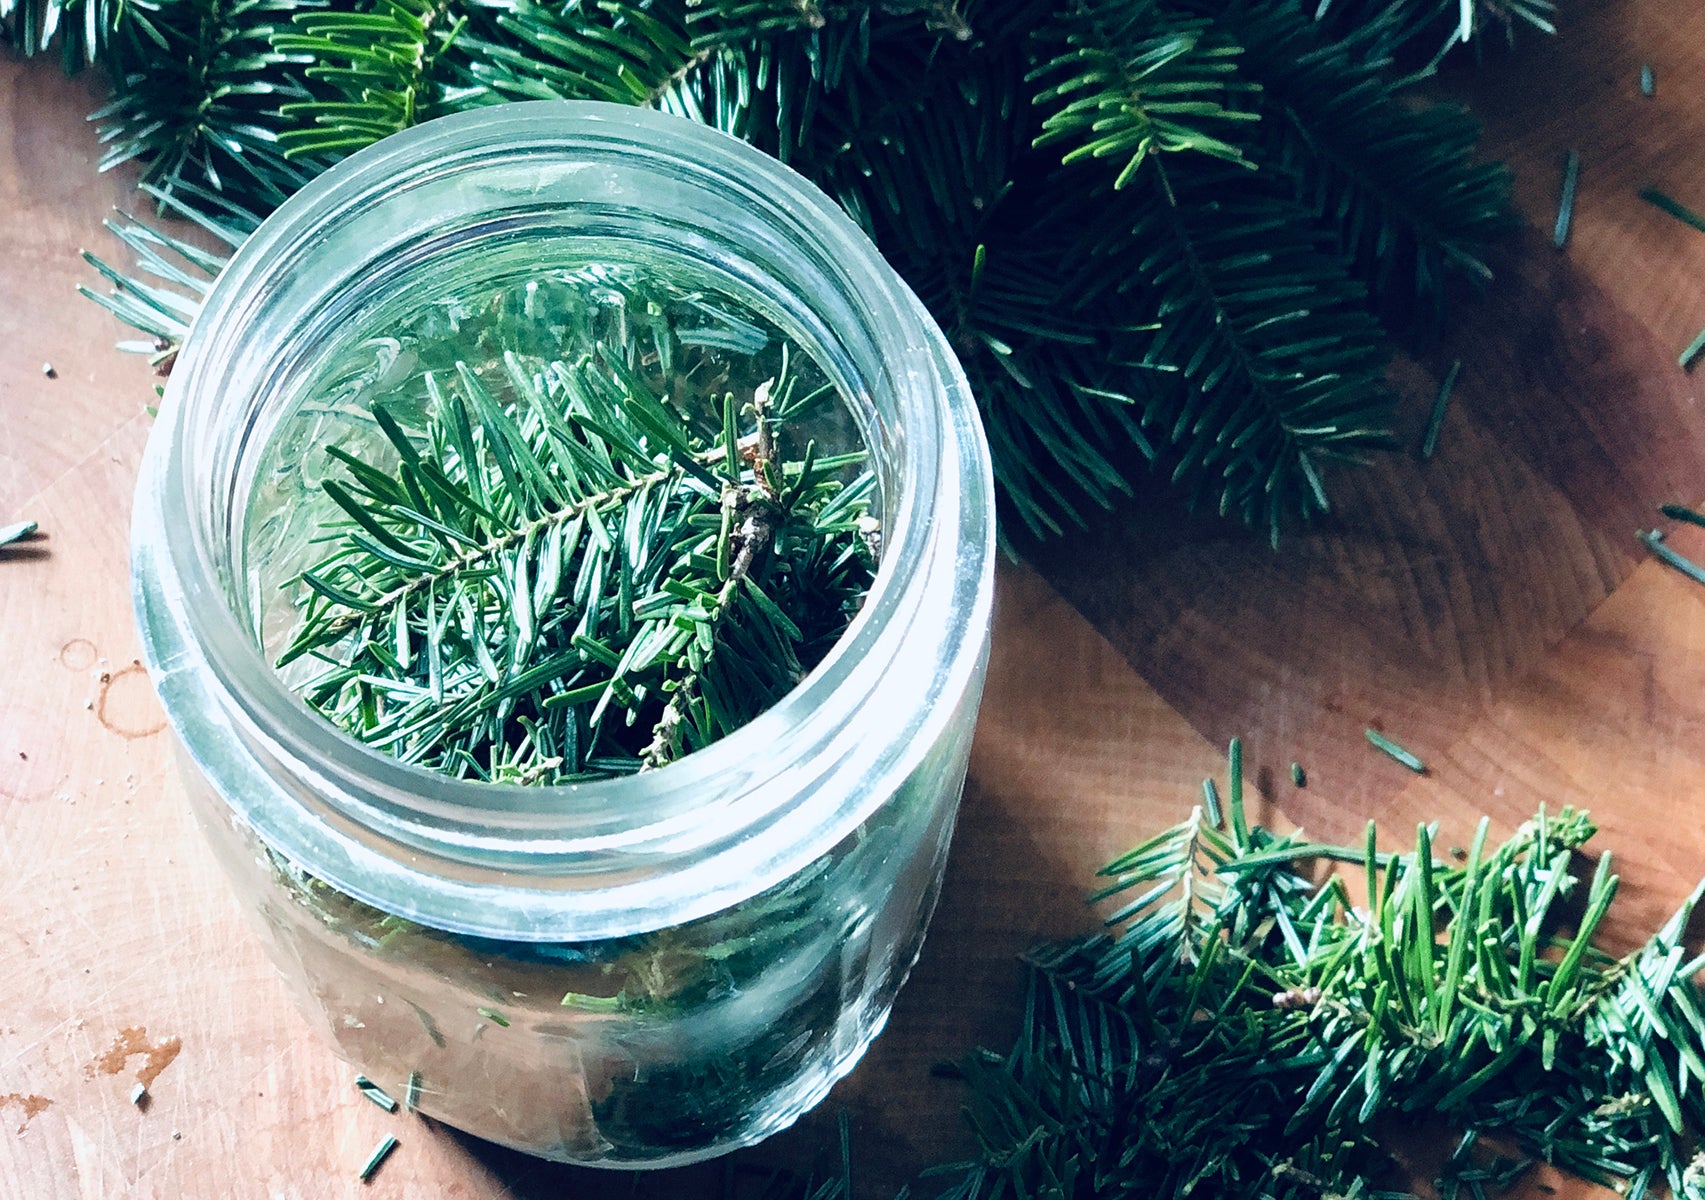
{"x": 1491, "y": 609}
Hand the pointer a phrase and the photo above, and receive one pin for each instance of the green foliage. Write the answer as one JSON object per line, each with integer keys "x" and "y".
{"x": 1126, "y": 80}
{"x": 198, "y": 92}
{"x": 1246, "y": 1031}
{"x": 83, "y": 29}
{"x": 1280, "y": 360}
{"x": 1170, "y": 233}
{"x": 576, "y": 567}
{"x": 1397, "y": 185}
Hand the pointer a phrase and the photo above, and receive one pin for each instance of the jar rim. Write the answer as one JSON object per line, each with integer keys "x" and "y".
{"x": 573, "y": 860}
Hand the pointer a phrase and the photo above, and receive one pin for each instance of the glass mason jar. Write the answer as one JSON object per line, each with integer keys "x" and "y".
{"x": 644, "y": 971}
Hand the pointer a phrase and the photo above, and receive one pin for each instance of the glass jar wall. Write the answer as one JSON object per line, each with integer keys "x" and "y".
{"x": 636, "y": 971}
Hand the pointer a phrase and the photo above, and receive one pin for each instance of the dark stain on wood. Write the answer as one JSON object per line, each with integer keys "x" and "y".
{"x": 78, "y": 654}
{"x": 32, "y": 1105}
{"x": 127, "y": 705}
{"x": 129, "y": 1043}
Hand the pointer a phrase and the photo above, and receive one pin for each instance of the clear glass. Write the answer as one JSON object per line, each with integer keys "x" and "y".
{"x": 641, "y": 971}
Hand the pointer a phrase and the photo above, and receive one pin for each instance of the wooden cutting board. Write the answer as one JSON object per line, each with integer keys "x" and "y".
{"x": 1491, "y": 609}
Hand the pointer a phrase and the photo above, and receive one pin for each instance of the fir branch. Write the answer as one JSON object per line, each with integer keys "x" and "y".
{"x": 1244, "y": 1030}
{"x": 942, "y": 129}
{"x": 620, "y": 52}
{"x": 1281, "y": 361}
{"x": 1124, "y": 80}
{"x": 198, "y": 89}
{"x": 1426, "y": 31}
{"x": 561, "y": 578}
{"x": 29, "y": 27}
{"x": 184, "y": 270}
{"x": 380, "y": 64}
{"x": 1396, "y": 180}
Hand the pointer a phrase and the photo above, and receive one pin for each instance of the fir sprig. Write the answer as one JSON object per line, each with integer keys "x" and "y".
{"x": 563, "y": 577}
{"x": 1397, "y": 183}
{"x": 1244, "y": 1030}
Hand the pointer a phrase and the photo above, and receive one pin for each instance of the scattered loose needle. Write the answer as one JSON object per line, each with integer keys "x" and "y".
{"x": 1436, "y": 422}
{"x": 380, "y": 1153}
{"x": 1684, "y": 214}
{"x": 1654, "y": 540}
{"x": 1392, "y": 750}
{"x": 1566, "y": 201}
{"x": 375, "y": 1093}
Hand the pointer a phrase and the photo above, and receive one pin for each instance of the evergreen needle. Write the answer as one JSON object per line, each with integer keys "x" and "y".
{"x": 1691, "y": 354}
{"x": 1566, "y": 199}
{"x": 1435, "y": 422}
{"x": 375, "y": 1093}
{"x": 1655, "y": 543}
{"x": 1674, "y": 208}
{"x": 374, "y": 1160}
{"x": 1397, "y": 753}
{"x": 16, "y": 532}
{"x": 1680, "y": 512}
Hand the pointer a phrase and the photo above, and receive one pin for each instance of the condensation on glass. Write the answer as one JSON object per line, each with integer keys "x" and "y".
{"x": 639, "y": 972}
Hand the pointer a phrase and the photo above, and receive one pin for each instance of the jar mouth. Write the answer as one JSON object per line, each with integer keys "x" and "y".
{"x": 427, "y": 845}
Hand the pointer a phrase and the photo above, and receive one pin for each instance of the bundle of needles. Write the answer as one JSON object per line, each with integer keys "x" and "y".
{"x": 1245, "y": 1031}
{"x": 563, "y": 578}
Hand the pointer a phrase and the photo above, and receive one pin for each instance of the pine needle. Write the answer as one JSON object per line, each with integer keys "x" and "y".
{"x": 1436, "y": 421}
{"x": 16, "y": 532}
{"x": 375, "y": 1093}
{"x": 1660, "y": 550}
{"x": 1680, "y": 512}
{"x": 376, "y": 1159}
{"x": 1694, "y": 349}
{"x": 1673, "y": 207}
{"x": 1397, "y": 753}
{"x": 1566, "y": 199}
